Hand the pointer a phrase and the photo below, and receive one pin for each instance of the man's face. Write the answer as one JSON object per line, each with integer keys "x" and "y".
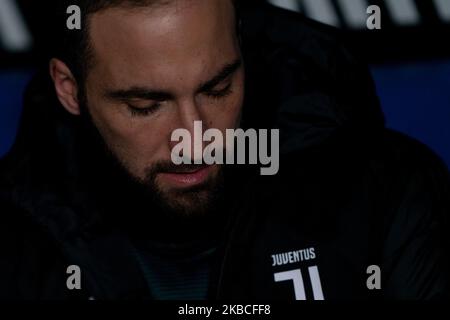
{"x": 158, "y": 69}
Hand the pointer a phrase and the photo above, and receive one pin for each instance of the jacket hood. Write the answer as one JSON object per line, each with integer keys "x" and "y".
{"x": 303, "y": 79}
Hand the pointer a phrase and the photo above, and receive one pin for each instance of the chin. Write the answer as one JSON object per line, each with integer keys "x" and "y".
{"x": 190, "y": 203}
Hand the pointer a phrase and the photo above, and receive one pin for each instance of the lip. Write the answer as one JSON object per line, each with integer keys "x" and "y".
{"x": 187, "y": 179}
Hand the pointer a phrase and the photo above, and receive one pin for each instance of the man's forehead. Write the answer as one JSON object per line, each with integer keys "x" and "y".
{"x": 158, "y": 12}
{"x": 166, "y": 41}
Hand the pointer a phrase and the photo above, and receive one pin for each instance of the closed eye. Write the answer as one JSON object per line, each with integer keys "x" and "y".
{"x": 219, "y": 93}
{"x": 143, "y": 111}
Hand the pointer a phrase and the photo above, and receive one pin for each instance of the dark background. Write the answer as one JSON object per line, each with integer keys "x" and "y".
{"x": 409, "y": 58}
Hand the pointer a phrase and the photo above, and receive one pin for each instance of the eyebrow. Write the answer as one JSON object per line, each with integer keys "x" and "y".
{"x": 160, "y": 95}
{"x": 226, "y": 71}
{"x": 138, "y": 93}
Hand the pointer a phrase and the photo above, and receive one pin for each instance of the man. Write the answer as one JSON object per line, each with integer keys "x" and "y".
{"x": 94, "y": 208}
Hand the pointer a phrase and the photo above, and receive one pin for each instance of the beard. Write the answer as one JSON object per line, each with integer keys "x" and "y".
{"x": 197, "y": 200}
{"x": 141, "y": 205}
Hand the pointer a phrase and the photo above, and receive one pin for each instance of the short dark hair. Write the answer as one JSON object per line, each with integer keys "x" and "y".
{"x": 73, "y": 46}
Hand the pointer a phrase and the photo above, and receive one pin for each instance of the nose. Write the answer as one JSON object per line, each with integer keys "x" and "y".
{"x": 189, "y": 117}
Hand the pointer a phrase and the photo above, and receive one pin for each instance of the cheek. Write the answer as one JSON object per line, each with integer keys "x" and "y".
{"x": 226, "y": 114}
{"x": 137, "y": 143}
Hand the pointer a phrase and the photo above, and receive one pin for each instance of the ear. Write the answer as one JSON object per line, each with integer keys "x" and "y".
{"x": 65, "y": 85}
